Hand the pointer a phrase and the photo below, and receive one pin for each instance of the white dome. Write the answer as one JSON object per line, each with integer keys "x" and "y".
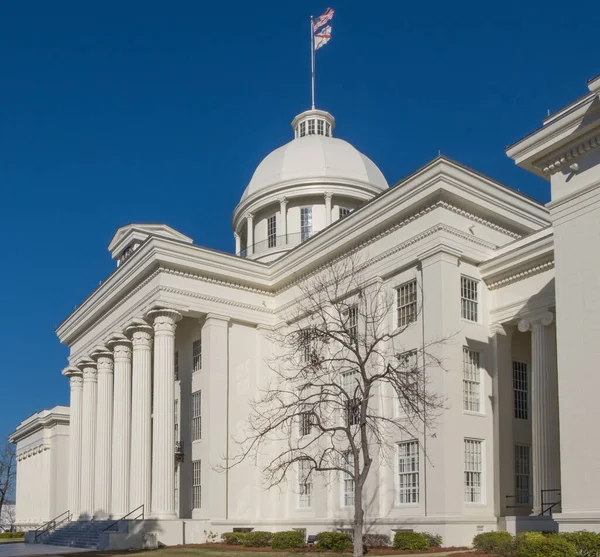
{"x": 315, "y": 156}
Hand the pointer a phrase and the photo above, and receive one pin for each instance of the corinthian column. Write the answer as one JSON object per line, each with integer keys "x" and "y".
{"x": 163, "y": 440}
{"x": 328, "y": 197}
{"x": 121, "y": 441}
{"x": 283, "y": 212}
{"x": 76, "y": 384}
{"x": 249, "y": 234}
{"x": 141, "y": 416}
{"x": 88, "y": 438}
{"x": 544, "y": 407}
{"x": 102, "y": 492}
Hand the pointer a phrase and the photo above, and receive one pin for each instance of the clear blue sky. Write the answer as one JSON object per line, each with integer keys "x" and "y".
{"x": 118, "y": 112}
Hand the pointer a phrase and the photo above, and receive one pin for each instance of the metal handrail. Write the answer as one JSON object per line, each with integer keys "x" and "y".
{"x": 140, "y": 515}
{"x": 52, "y": 524}
{"x": 550, "y": 506}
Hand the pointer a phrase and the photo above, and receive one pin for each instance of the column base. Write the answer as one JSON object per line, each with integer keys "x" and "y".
{"x": 163, "y": 515}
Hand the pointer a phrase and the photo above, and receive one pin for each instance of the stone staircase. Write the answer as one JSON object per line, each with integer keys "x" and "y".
{"x": 78, "y": 533}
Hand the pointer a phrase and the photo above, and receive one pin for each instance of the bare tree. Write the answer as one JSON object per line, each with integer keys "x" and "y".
{"x": 8, "y": 474}
{"x": 339, "y": 360}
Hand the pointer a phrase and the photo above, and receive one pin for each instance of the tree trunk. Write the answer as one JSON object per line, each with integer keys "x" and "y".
{"x": 359, "y": 519}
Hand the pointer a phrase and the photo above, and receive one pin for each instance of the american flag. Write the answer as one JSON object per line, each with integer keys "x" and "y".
{"x": 320, "y": 21}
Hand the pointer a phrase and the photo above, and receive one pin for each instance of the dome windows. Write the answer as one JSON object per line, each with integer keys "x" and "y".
{"x": 313, "y": 122}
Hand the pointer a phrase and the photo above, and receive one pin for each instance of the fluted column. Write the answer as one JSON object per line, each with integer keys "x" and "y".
{"x": 163, "y": 440}
{"x": 283, "y": 212}
{"x": 76, "y": 384}
{"x": 88, "y": 438}
{"x": 102, "y": 490}
{"x": 328, "y": 197}
{"x": 238, "y": 243}
{"x": 141, "y": 417}
{"x": 249, "y": 234}
{"x": 121, "y": 437}
{"x": 544, "y": 407}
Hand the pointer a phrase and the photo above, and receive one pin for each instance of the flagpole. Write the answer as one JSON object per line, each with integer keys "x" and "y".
{"x": 312, "y": 60}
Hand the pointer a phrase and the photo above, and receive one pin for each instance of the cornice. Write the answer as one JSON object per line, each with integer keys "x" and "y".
{"x": 479, "y": 220}
{"x": 212, "y": 280}
{"x": 28, "y": 453}
{"x": 41, "y": 420}
{"x": 522, "y": 275}
{"x": 559, "y": 161}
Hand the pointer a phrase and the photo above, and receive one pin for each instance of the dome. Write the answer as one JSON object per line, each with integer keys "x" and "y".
{"x": 315, "y": 156}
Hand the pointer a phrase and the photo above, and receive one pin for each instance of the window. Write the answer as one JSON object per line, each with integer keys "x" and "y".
{"x": 196, "y": 415}
{"x": 176, "y": 366}
{"x": 272, "y": 231}
{"x": 352, "y": 404}
{"x": 348, "y": 481}
{"x": 407, "y": 365}
{"x": 408, "y": 472}
{"x": 344, "y": 212}
{"x": 305, "y": 223}
{"x": 407, "y": 303}
{"x": 311, "y": 127}
{"x": 304, "y": 484}
{"x": 471, "y": 380}
{"x": 305, "y": 424}
{"x": 302, "y": 129}
{"x": 197, "y": 355}
{"x": 473, "y": 471}
{"x": 305, "y": 345}
{"x": 352, "y": 322}
{"x": 520, "y": 390}
{"x": 522, "y": 474}
{"x": 320, "y": 127}
{"x": 328, "y": 129}
{"x": 469, "y": 299}
{"x": 176, "y": 412}
{"x": 197, "y": 484}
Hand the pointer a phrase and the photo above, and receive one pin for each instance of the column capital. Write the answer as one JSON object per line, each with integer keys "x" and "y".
{"x": 540, "y": 318}
{"x": 89, "y": 371}
{"x": 141, "y": 336}
{"x": 164, "y": 320}
{"x": 236, "y": 235}
{"x": 121, "y": 346}
{"x": 283, "y": 200}
{"x": 249, "y": 216}
{"x": 75, "y": 377}
{"x": 328, "y": 195}
{"x": 104, "y": 359}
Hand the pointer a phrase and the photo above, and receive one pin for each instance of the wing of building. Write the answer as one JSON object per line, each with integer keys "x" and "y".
{"x": 166, "y": 354}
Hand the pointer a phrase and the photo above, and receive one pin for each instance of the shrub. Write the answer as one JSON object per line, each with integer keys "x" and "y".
{"x": 536, "y": 544}
{"x": 434, "y": 540}
{"x": 287, "y": 540}
{"x": 257, "y": 539}
{"x": 376, "y": 540}
{"x": 10, "y": 535}
{"x": 233, "y": 538}
{"x": 497, "y": 543}
{"x": 338, "y": 541}
{"x": 411, "y": 540}
{"x": 586, "y": 543}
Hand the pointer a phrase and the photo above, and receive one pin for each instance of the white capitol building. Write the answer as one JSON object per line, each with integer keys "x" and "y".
{"x": 167, "y": 352}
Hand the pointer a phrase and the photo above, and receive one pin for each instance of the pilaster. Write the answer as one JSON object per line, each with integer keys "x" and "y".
{"x": 163, "y": 440}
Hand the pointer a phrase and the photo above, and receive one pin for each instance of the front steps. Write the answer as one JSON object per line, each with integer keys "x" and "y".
{"x": 78, "y": 533}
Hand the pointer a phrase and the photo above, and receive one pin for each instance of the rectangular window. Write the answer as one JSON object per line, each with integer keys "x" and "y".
{"x": 473, "y": 471}
{"x": 197, "y": 355}
{"x": 352, "y": 322}
{"x": 408, "y": 382}
{"x": 320, "y": 127}
{"x": 272, "y": 231}
{"x": 469, "y": 299}
{"x": 408, "y": 472}
{"x": 348, "y": 482}
{"x": 197, "y": 416}
{"x": 344, "y": 212}
{"x": 406, "y": 302}
{"x": 522, "y": 474}
{"x": 521, "y": 390}
{"x": 305, "y": 223}
{"x": 176, "y": 412}
{"x": 311, "y": 127}
{"x": 176, "y": 366}
{"x": 305, "y": 345}
{"x": 302, "y": 129}
{"x": 197, "y": 484}
{"x": 305, "y": 424}
{"x": 471, "y": 380}
{"x": 352, "y": 405}
{"x": 304, "y": 484}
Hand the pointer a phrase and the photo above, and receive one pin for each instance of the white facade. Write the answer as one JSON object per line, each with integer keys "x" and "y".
{"x": 167, "y": 352}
